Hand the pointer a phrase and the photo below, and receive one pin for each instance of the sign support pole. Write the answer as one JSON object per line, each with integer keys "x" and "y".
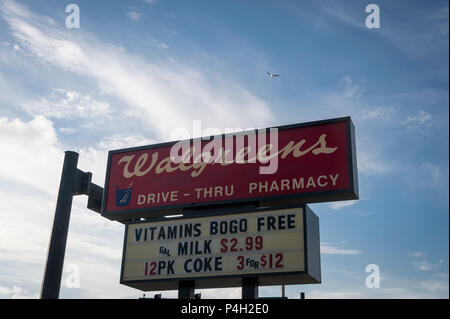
{"x": 57, "y": 247}
{"x": 186, "y": 289}
{"x": 250, "y": 288}
{"x": 73, "y": 182}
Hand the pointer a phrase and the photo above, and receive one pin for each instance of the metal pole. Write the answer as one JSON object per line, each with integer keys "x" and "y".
{"x": 283, "y": 291}
{"x": 250, "y": 288}
{"x": 186, "y": 289}
{"x": 57, "y": 247}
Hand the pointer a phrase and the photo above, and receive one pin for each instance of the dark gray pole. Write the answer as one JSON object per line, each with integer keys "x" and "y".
{"x": 186, "y": 289}
{"x": 57, "y": 247}
{"x": 250, "y": 288}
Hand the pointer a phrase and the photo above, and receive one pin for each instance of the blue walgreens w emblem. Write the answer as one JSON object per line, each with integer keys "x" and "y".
{"x": 123, "y": 196}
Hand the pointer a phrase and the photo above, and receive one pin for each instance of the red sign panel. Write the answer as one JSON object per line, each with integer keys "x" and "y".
{"x": 309, "y": 162}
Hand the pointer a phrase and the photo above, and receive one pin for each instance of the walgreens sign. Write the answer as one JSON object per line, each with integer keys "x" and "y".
{"x": 300, "y": 163}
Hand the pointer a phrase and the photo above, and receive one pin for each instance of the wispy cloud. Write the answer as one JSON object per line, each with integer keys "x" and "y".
{"x": 154, "y": 97}
{"x": 438, "y": 176}
{"x": 420, "y": 118}
{"x": 426, "y": 265}
{"x": 134, "y": 15}
{"x": 438, "y": 26}
{"x": 30, "y": 165}
{"x": 340, "y": 14}
{"x": 425, "y": 35}
{"x": 421, "y": 262}
{"x": 340, "y": 205}
{"x": 157, "y": 43}
{"x": 351, "y": 89}
{"x": 391, "y": 286}
{"x": 62, "y": 103}
{"x": 331, "y": 249}
{"x": 163, "y": 96}
{"x": 30, "y": 161}
{"x": 418, "y": 254}
{"x": 16, "y": 292}
{"x": 385, "y": 114}
{"x": 133, "y": 99}
{"x": 22, "y": 144}
{"x": 412, "y": 290}
{"x": 434, "y": 287}
{"x": 370, "y": 163}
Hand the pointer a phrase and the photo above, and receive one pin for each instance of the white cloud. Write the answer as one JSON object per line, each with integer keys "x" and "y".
{"x": 67, "y": 130}
{"x": 157, "y": 43}
{"x": 162, "y": 96}
{"x": 416, "y": 38}
{"x": 434, "y": 286}
{"x": 62, "y": 103}
{"x": 351, "y": 89}
{"x": 157, "y": 96}
{"x": 16, "y": 292}
{"x": 117, "y": 141}
{"x": 420, "y": 118}
{"x": 421, "y": 290}
{"x": 30, "y": 152}
{"x": 338, "y": 13}
{"x": 437, "y": 176}
{"x": 224, "y": 293}
{"x": 30, "y": 166}
{"x": 93, "y": 160}
{"x": 16, "y": 9}
{"x": 426, "y": 265}
{"x": 420, "y": 262}
{"x": 378, "y": 113}
{"x": 331, "y": 249}
{"x": 340, "y": 205}
{"x": 391, "y": 287}
{"x": 422, "y": 265}
{"x": 369, "y": 163}
{"x": 134, "y": 15}
{"x": 418, "y": 254}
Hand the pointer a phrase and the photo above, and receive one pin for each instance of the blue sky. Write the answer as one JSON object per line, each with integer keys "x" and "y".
{"x": 136, "y": 70}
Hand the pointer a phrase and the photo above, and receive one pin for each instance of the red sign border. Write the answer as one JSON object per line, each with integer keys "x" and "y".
{"x": 271, "y": 200}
